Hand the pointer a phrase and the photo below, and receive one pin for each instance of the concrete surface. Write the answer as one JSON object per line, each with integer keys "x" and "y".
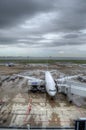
{"x": 20, "y": 108}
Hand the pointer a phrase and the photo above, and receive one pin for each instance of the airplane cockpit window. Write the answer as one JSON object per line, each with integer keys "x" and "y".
{"x": 52, "y": 90}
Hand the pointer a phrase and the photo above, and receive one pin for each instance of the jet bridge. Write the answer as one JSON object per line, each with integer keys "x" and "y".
{"x": 77, "y": 88}
{"x": 72, "y": 87}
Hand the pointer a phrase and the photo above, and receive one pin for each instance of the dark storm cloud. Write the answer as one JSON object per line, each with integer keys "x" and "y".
{"x": 67, "y": 18}
{"x": 14, "y": 11}
{"x": 68, "y": 36}
{"x": 72, "y": 16}
{"x": 63, "y": 43}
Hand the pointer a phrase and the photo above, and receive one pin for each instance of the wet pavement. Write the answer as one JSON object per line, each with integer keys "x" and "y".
{"x": 18, "y": 107}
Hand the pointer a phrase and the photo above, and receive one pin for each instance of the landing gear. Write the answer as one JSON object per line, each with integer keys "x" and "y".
{"x": 52, "y": 98}
{"x": 36, "y": 88}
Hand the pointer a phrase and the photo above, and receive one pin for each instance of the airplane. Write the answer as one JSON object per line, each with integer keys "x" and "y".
{"x": 9, "y": 64}
{"x": 49, "y": 83}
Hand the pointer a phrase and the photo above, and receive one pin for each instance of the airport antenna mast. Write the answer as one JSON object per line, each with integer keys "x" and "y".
{"x": 48, "y": 62}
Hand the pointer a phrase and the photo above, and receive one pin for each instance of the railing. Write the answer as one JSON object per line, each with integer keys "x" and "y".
{"x": 79, "y": 125}
{"x": 37, "y": 128}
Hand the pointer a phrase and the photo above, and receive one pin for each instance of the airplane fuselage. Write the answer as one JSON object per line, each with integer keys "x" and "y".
{"x": 50, "y": 84}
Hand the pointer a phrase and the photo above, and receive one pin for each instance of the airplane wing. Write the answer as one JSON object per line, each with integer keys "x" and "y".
{"x": 30, "y": 78}
{"x": 68, "y": 77}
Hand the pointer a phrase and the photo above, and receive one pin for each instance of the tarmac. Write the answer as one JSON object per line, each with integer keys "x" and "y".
{"x": 18, "y": 107}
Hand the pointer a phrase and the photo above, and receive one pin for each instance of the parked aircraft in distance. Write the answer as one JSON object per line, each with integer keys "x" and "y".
{"x": 9, "y": 64}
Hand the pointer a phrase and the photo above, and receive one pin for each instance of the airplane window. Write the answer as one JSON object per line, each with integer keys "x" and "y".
{"x": 52, "y": 90}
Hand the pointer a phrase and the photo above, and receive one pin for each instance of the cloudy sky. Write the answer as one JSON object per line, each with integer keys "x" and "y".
{"x": 43, "y": 28}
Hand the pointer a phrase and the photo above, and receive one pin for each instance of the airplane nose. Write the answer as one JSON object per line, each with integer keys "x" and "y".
{"x": 52, "y": 94}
